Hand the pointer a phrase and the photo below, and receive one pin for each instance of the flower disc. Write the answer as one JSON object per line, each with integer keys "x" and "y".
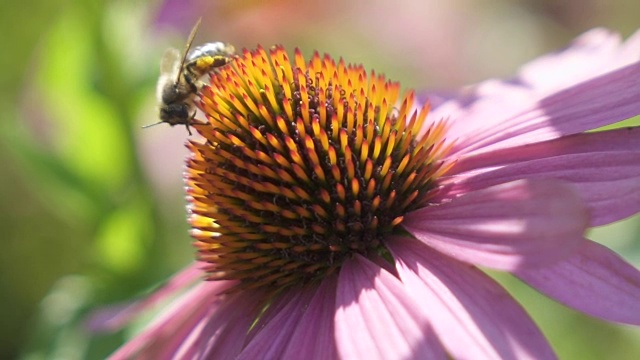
{"x": 304, "y": 165}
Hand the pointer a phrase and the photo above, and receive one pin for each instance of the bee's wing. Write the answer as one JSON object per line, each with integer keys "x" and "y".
{"x": 229, "y": 49}
{"x": 170, "y": 62}
{"x": 169, "y": 67}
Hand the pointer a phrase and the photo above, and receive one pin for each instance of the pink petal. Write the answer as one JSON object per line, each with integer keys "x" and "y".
{"x": 225, "y": 331}
{"x": 604, "y": 168}
{"x": 604, "y": 100}
{"x": 508, "y": 226}
{"x": 589, "y": 55}
{"x": 114, "y": 318}
{"x": 376, "y": 319}
{"x": 314, "y": 337}
{"x": 594, "y": 82}
{"x": 629, "y": 51}
{"x": 617, "y": 140}
{"x": 479, "y": 110}
{"x": 274, "y": 331}
{"x": 161, "y": 339}
{"x": 595, "y": 281}
{"x": 474, "y": 317}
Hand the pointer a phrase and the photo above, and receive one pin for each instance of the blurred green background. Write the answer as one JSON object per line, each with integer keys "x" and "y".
{"x": 92, "y": 209}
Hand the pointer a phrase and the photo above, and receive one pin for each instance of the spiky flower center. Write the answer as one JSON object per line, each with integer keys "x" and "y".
{"x": 304, "y": 165}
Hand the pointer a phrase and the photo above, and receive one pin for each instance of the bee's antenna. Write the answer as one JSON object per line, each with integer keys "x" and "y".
{"x": 160, "y": 122}
{"x": 150, "y": 125}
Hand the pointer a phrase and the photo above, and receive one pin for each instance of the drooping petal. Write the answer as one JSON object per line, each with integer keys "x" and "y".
{"x": 603, "y": 167}
{"x": 508, "y": 226}
{"x": 314, "y": 337}
{"x": 376, "y": 318}
{"x": 273, "y": 332}
{"x": 595, "y": 281}
{"x": 297, "y": 326}
{"x": 114, "y": 318}
{"x": 591, "y": 54}
{"x": 604, "y": 100}
{"x": 597, "y": 84}
{"x": 162, "y": 338}
{"x": 224, "y": 332}
{"x": 610, "y": 141}
{"x": 473, "y": 316}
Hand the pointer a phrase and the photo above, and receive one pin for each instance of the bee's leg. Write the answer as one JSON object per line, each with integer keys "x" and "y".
{"x": 191, "y": 80}
{"x": 197, "y": 86}
{"x": 220, "y": 60}
{"x": 190, "y": 121}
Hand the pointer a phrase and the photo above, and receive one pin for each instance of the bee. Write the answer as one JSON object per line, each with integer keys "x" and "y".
{"x": 179, "y": 80}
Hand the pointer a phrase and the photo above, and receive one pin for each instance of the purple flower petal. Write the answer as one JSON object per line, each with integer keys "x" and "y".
{"x": 162, "y": 338}
{"x": 114, "y": 318}
{"x": 508, "y": 226}
{"x": 273, "y": 332}
{"x": 314, "y": 337}
{"x": 617, "y": 140}
{"x": 604, "y": 100}
{"x": 593, "y": 53}
{"x": 595, "y": 281}
{"x": 376, "y": 319}
{"x": 474, "y": 317}
{"x": 297, "y": 326}
{"x": 604, "y": 168}
{"x": 225, "y": 331}
{"x": 538, "y": 106}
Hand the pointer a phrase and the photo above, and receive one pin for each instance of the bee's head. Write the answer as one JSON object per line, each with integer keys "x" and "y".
{"x": 178, "y": 113}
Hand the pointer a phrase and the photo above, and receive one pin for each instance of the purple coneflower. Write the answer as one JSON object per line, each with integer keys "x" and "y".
{"x": 335, "y": 217}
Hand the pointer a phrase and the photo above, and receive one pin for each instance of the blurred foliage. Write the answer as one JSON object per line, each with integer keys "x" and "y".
{"x": 86, "y": 223}
{"x": 75, "y": 197}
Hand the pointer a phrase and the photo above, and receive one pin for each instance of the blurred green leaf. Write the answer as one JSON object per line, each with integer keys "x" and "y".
{"x": 89, "y": 134}
{"x": 121, "y": 238}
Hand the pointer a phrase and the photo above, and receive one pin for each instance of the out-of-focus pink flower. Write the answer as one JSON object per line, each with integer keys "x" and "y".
{"x": 333, "y": 224}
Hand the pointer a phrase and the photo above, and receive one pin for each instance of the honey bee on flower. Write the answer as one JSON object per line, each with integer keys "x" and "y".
{"x": 180, "y": 76}
{"x": 337, "y": 217}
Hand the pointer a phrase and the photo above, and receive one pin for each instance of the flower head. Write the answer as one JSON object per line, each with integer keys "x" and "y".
{"x": 335, "y": 218}
{"x": 305, "y": 165}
